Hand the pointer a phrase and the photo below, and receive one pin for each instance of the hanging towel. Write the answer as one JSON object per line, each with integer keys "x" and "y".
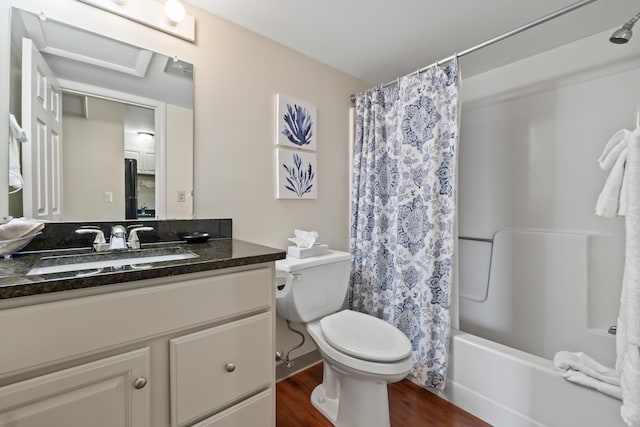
{"x": 582, "y": 369}
{"x": 16, "y": 135}
{"x": 621, "y": 194}
{"x": 630, "y": 410}
{"x": 628, "y": 339}
{"x": 614, "y": 157}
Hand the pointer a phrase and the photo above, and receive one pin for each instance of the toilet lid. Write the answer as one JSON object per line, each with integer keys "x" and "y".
{"x": 365, "y": 337}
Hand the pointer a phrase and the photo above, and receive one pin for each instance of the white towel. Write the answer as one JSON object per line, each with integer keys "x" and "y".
{"x": 630, "y": 410}
{"x": 622, "y": 194}
{"x": 631, "y": 279}
{"x": 20, "y": 227}
{"x": 628, "y": 339}
{"x": 581, "y": 369}
{"x": 612, "y": 199}
{"x": 16, "y": 135}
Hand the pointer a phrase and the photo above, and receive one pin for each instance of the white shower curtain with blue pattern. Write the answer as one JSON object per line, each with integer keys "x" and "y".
{"x": 403, "y": 221}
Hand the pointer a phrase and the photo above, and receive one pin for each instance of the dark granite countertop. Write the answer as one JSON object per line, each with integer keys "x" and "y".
{"x": 214, "y": 254}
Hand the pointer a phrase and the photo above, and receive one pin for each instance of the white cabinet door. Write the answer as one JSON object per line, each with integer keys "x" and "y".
{"x": 42, "y": 122}
{"x": 146, "y": 161}
{"x": 130, "y": 154}
{"x": 96, "y": 394}
{"x": 149, "y": 163}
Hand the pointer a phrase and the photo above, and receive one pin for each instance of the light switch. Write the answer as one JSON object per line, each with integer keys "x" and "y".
{"x": 108, "y": 197}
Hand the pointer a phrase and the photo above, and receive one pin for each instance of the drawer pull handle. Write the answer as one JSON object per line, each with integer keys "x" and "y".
{"x": 230, "y": 367}
{"x": 139, "y": 383}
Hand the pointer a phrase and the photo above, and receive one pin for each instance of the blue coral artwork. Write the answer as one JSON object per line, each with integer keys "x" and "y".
{"x": 297, "y": 175}
{"x": 296, "y": 123}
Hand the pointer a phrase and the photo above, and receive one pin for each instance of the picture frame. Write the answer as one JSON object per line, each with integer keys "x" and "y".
{"x": 296, "y": 123}
{"x": 296, "y": 174}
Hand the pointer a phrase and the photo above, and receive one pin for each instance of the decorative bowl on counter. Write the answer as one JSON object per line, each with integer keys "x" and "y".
{"x": 195, "y": 236}
{"x": 10, "y": 247}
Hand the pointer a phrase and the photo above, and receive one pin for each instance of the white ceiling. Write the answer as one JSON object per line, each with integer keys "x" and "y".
{"x": 378, "y": 40}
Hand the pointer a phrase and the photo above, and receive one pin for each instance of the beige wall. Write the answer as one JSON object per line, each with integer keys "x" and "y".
{"x": 237, "y": 75}
{"x": 180, "y": 153}
{"x": 94, "y": 165}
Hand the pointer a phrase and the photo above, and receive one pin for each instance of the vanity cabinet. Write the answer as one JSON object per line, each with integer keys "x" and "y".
{"x": 190, "y": 350}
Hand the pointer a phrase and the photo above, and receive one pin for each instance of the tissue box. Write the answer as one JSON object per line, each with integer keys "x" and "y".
{"x": 314, "y": 250}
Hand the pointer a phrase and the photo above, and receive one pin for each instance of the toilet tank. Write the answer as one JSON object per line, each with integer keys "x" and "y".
{"x": 310, "y": 288}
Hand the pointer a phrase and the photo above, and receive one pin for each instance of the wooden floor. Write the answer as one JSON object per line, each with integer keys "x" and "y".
{"x": 409, "y": 405}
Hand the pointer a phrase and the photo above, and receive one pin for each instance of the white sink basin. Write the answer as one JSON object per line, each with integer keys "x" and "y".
{"x": 143, "y": 258}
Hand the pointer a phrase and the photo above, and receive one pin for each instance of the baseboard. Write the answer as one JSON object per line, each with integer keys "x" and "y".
{"x": 300, "y": 364}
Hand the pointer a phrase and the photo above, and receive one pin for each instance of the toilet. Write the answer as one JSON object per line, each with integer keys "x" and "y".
{"x": 361, "y": 353}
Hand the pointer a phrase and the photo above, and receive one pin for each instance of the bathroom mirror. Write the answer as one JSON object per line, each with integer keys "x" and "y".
{"x": 126, "y": 125}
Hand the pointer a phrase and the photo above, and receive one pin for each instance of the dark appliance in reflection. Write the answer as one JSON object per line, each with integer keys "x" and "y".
{"x": 131, "y": 188}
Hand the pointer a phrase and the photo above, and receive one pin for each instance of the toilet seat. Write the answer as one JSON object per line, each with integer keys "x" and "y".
{"x": 397, "y": 369}
{"x": 365, "y": 337}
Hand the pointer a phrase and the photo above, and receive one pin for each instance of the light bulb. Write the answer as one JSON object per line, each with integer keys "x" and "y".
{"x": 175, "y": 11}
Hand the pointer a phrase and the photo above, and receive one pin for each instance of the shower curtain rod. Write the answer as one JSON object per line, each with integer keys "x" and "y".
{"x": 494, "y": 40}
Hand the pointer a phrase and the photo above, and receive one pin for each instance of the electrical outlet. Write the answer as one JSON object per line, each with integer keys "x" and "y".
{"x": 181, "y": 195}
{"x": 108, "y": 197}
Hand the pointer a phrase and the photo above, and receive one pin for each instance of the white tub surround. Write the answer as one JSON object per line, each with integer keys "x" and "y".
{"x": 549, "y": 277}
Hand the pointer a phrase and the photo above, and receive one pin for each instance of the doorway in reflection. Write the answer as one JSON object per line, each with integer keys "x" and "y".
{"x": 99, "y": 134}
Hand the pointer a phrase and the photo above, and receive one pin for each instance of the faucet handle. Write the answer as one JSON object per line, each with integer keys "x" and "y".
{"x": 99, "y": 241}
{"x": 134, "y": 241}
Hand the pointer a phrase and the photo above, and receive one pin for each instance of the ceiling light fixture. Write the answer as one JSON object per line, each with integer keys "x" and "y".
{"x": 168, "y": 16}
{"x": 175, "y": 11}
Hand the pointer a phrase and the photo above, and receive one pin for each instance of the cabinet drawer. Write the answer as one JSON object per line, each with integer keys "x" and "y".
{"x": 257, "y": 411}
{"x": 215, "y": 367}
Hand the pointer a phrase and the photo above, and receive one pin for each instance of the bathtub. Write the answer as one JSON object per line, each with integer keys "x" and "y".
{"x": 511, "y": 388}
{"x": 524, "y": 295}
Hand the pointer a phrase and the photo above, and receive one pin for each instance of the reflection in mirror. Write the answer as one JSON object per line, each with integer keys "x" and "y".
{"x": 101, "y": 116}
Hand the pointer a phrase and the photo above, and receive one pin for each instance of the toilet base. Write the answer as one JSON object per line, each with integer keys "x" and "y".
{"x": 361, "y": 403}
{"x": 327, "y": 407}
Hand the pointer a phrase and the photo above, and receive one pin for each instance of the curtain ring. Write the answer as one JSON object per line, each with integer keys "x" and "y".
{"x": 418, "y": 72}
{"x": 398, "y": 81}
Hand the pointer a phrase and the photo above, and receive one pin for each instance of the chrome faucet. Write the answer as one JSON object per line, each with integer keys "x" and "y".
{"x": 117, "y": 240}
